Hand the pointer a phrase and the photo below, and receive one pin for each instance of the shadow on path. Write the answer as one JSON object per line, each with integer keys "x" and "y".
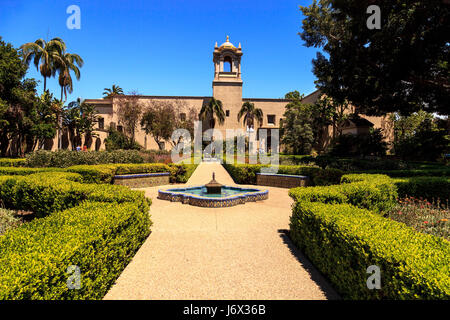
{"x": 316, "y": 276}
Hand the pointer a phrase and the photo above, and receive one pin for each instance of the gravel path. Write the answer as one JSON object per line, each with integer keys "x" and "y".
{"x": 242, "y": 252}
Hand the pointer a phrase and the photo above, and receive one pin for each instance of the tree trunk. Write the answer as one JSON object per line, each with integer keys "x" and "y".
{"x": 45, "y": 83}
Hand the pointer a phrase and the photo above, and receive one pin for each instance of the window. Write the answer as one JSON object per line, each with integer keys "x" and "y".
{"x": 112, "y": 125}
{"x": 271, "y": 119}
{"x": 101, "y": 123}
{"x": 227, "y": 113}
{"x": 227, "y": 62}
{"x": 120, "y": 128}
{"x": 183, "y": 116}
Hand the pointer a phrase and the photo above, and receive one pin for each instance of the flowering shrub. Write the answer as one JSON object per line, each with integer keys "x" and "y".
{"x": 424, "y": 216}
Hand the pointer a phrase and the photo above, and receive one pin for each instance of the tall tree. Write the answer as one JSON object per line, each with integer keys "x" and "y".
{"x": 66, "y": 63}
{"x": 129, "y": 113}
{"x": 296, "y": 130}
{"x": 401, "y": 67}
{"x": 159, "y": 120}
{"x": 79, "y": 118}
{"x": 113, "y": 91}
{"x": 213, "y": 112}
{"x": 44, "y": 54}
{"x": 250, "y": 114}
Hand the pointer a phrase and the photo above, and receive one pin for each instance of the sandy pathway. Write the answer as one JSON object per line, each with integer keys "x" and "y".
{"x": 241, "y": 252}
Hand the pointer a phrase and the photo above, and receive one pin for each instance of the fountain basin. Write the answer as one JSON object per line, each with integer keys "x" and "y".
{"x": 198, "y": 196}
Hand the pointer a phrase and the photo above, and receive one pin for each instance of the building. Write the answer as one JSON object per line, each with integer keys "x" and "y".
{"x": 226, "y": 87}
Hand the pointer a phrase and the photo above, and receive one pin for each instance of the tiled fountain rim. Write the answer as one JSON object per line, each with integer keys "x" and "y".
{"x": 229, "y": 201}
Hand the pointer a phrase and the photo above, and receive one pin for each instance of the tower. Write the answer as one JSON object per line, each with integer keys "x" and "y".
{"x": 227, "y": 83}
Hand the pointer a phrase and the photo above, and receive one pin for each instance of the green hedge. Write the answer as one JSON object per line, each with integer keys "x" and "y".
{"x": 179, "y": 173}
{"x": 246, "y": 173}
{"x": 8, "y": 162}
{"x": 21, "y": 171}
{"x": 99, "y": 238}
{"x": 96, "y": 227}
{"x": 441, "y": 172}
{"x": 426, "y": 187}
{"x": 67, "y": 158}
{"x": 45, "y": 193}
{"x": 376, "y": 192}
{"x": 343, "y": 241}
{"x": 334, "y": 228}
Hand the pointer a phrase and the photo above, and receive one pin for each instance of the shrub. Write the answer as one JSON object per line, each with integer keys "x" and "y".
{"x": 359, "y": 145}
{"x": 46, "y": 193}
{"x": 99, "y": 238}
{"x": 425, "y": 187}
{"x": 343, "y": 241}
{"x": 374, "y": 192}
{"x": 414, "y": 172}
{"x": 105, "y": 173}
{"x": 25, "y": 171}
{"x": 246, "y": 173}
{"x": 117, "y": 140}
{"x": 65, "y": 158}
{"x": 96, "y": 227}
{"x": 7, "y": 162}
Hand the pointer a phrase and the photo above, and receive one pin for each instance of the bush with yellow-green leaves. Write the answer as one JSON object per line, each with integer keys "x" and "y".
{"x": 95, "y": 227}
{"x": 342, "y": 231}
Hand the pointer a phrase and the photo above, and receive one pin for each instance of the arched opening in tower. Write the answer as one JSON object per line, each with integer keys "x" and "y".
{"x": 227, "y": 64}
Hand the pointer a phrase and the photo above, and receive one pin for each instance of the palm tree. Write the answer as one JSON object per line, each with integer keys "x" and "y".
{"x": 213, "y": 111}
{"x": 114, "y": 91}
{"x": 43, "y": 55}
{"x": 65, "y": 63}
{"x": 250, "y": 113}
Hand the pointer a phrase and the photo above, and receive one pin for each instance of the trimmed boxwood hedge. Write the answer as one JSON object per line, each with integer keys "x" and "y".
{"x": 334, "y": 228}
{"x": 441, "y": 172}
{"x": 26, "y": 171}
{"x": 376, "y": 192}
{"x": 179, "y": 173}
{"x": 96, "y": 227}
{"x": 9, "y": 162}
{"x": 246, "y": 173}
{"x": 343, "y": 241}
{"x": 424, "y": 187}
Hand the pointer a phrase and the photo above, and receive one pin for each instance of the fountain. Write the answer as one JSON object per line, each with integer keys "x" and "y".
{"x": 213, "y": 195}
{"x": 213, "y": 187}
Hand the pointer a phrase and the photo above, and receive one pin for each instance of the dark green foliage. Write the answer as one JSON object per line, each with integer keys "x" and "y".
{"x": 428, "y": 141}
{"x": 296, "y": 131}
{"x": 424, "y": 187}
{"x": 403, "y": 66}
{"x": 371, "y": 144}
{"x": 66, "y": 158}
{"x": 117, "y": 140}
{"x": 246, "y": 173}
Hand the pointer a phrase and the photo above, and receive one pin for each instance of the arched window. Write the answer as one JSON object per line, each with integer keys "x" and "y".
{"x": 227, "y": 64}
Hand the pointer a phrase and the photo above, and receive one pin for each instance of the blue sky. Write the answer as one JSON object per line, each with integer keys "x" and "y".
{"x": 165, "y": 47}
